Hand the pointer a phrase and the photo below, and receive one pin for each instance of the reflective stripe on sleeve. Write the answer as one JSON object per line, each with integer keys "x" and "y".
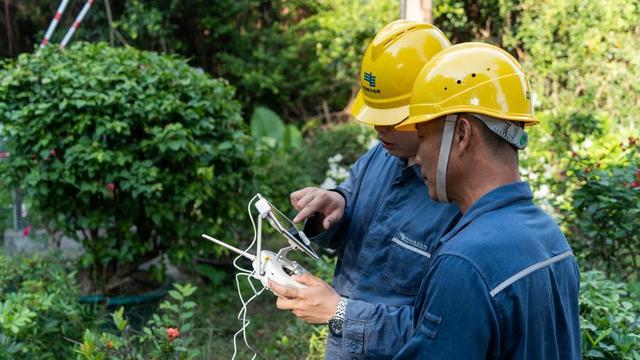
{"x": 528, "y": 271}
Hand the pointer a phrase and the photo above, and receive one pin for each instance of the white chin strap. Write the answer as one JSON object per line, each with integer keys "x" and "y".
{"x": 443, "y": 159}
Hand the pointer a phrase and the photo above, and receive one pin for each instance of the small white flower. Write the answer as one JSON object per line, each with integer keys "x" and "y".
{"x": 475, "y": 101}
{"x": 328, "y": 183}
{"x": 335, "y": 158}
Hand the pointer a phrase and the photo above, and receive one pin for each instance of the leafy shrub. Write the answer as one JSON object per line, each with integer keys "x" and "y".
{"x": 606, "y": 207}
{"x": 288, "y": 55}
{"x": 165, "y": 337}
{"x": 579, "y": 55}
{"x": 283, "y": 163}
{"x": 132, "y": 152}
{"x": 268, "y": 126}
{"x": 38, "y": 309}
{"x": 609, "y": 318}
{"x": 349, "y": 140}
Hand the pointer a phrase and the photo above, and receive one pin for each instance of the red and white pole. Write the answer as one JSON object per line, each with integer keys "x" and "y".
{"x": 76, "y": 24}
{"x": 54, "y": 23}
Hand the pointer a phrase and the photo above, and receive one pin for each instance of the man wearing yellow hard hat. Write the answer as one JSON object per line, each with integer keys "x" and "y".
{"x": 382, "y": 247}
{"x": 503, "y": 283}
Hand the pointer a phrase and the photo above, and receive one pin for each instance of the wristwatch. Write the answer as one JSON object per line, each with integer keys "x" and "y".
{"x": 336, "y": 323}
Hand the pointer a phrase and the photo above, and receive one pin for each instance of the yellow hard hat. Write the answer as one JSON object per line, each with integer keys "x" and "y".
{"x": 390, "y": 66}
{"x": 471, "y": 78}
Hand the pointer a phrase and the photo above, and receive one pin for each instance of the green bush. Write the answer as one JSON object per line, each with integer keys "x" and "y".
{"x": 132, "y": 152}
{"x": 605, "y": 208}
{"x": 324, "y": 158}
{"x": 288, "y": 55}
{"x": 39, "y": 311}
{"x": 579, "y": 56}
{"x": 167, "y": 335}
{"x": 609, "y": 318}
{"x": 338, "y": 145}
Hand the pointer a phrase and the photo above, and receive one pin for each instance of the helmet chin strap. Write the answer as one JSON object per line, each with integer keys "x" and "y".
{"x": 443, "y": 159}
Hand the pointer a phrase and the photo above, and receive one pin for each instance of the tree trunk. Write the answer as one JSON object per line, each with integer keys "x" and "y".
{"x": 417, "y": 10}
{"x": 7, "y": 21}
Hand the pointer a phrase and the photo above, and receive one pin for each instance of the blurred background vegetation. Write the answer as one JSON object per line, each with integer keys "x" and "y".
{"x": 287, "y": 74}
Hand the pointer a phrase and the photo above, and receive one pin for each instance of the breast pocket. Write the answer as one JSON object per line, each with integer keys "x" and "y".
{"x": 406, "y": 264}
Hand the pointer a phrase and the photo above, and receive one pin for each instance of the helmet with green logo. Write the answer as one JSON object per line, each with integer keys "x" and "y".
{"x": 389, "y": 68}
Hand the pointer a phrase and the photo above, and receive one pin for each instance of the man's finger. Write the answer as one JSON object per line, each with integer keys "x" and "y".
{"x": 305, "y": 279}
{"x": 331, "y": 219}
{"x": 304, "y": 214}
{"x": 283, "y": 291}
{"x": 313, "y": 203}
{"x": 307, "y": 198}
{"x": 299, "y": 194}
{"x": 284, "y": 303}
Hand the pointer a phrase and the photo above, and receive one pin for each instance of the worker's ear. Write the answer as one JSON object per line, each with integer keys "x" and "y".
{"x": 462, "y": 136}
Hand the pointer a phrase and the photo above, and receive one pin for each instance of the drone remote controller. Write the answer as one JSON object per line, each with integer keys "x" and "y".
{"x": 269, "y": 265}
{"x": 279, "y": 270}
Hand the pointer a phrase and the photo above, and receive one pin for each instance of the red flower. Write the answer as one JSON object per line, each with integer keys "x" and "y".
{"x": 26, "y": 231}
{"x": 53, "y": 152}
{"x": 111, "y": 187}
{"x": 172, "y": 333}
{"x": 635, "y": 184}
{"x": 4, "y": 154}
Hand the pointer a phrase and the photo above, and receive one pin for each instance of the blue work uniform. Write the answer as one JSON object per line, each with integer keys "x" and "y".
{"x": 383, "y": 239}
{"x": 503, "y": 284}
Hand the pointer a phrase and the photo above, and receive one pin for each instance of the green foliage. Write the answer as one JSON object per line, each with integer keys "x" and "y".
{"x": 580, "y": 54}
{"x": 609, "y": 318}
{"x": 133, "y": 152}
{"x": 166, "y": 336}
{"x": 288, "y": 55}
{"x": 324, "y": 158}
{"x": 5, "y": 193}
{"x": 277, "y": 173}
{"x": 38, "y": 309}
{"x": 338, "y": 145}
{"x": 605, "y": 208}
{"x": 484, "y": 20}
{"x": 267, "y": 126}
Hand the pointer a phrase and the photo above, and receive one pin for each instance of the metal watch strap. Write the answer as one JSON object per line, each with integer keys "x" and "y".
{"x": 336, "y": 323}
{"x": 341, "y": 309}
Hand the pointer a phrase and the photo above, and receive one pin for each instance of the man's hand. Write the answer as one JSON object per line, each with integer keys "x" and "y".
{"x": 310, "y": 200}
{"x": 315, "y": 304}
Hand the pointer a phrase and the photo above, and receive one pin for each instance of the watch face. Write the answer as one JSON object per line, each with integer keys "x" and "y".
{"x": 335, "y": 326}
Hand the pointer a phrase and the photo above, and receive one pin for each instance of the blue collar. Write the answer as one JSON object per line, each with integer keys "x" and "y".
{"x": 494, "y": 199}
{"x": 403, "y": 164}
{"x": 416, "y": 169}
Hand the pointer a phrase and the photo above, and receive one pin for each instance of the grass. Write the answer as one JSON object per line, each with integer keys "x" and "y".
{"x": 274, "y": 333}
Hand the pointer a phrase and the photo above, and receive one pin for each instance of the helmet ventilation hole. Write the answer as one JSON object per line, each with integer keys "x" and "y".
{"x": 473, "y": 75}
{"x": 459, "y": 82}
{"x": 445, "y": 88}
{"x": 488, "y": 69}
